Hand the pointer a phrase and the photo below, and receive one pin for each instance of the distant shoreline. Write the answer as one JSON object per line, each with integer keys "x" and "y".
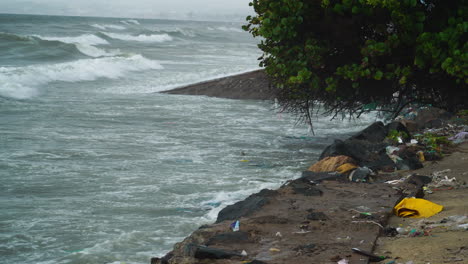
{"x": 253, "y": 85}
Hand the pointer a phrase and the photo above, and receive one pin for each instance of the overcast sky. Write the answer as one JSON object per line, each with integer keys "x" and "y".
{"x": 198, "y": 9}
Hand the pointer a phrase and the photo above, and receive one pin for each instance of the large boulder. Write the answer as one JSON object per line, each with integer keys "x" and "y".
{"x": 360, "y": 150}
{"x": 246, "y": 207}
{"x": 430, "y": 117}
{"x": 373, "y": 133}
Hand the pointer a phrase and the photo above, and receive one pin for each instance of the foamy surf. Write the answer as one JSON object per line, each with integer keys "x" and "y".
{"x": 105, "y": 27}
{"x": 140, "y": 38}
{"x": 88, "y": 39}
{"x": 23, "y": 82}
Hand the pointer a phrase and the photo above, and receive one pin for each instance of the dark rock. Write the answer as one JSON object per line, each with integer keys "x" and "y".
{"x": 322, "y": 176}
{"x": 434, "y": 123}
{"x": 373, "y": 133}
{"x": 411, "y": 125}
{"x": 163, "y": 260}
{"x": 432, "y": 156}
{"x": 410, "y": 159}
{"x": 305, "y": 187}
{"x": 390, "y": 231}
{"x": 231, "y": 237}
{"x": 360, "y": 150}
{"x": 202, "y": 252}
{"x": 419, "y": 180}
{"x": 383, "y": 162}
{"x": 246, "y": 207}
{"x": 316, "y": 216}
{"x": 427, "y": 115}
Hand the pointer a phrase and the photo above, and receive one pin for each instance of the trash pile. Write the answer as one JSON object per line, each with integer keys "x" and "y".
{"x": 343, "y": 199}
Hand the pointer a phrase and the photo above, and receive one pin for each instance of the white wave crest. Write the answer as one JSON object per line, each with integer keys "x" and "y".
{"x": 23, "y": 82}
{"x": 230, "y": 29}
{"x": 84, "y": 44}
{"x": 104, "y": 27}
{"x": 88, "y": 39}
{"x": 130, "y": 21}
{"x": 140, "y": 38}
{"x": 96, "y": 52}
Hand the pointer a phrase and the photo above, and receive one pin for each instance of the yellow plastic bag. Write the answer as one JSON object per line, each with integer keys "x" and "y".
{"x": 416, "y": 208}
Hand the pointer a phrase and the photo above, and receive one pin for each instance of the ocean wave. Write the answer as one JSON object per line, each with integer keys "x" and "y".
{"x": 226, "y": 29}
{"x": 85, "y": 44}
{"x": 140, "y": 38}
{"x": 88, "y": 39}
{"x": 96, "y": 52}
{"x": 107, "y": 26}
{"x": 24, "y": 82}
{"x": 14, "y": 37}
{"x": 178, "y": 32}
{"x": 230, "y": 29}
{"x": 130, "y": 21}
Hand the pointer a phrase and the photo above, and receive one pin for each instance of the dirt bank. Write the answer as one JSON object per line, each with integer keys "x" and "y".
{"x": 252, "y": 85}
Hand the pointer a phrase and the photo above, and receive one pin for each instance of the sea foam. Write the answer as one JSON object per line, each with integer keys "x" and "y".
{"x": 24, "y": 82}
{"x": 104, "y": 27}
{"x": 140, "y": 38}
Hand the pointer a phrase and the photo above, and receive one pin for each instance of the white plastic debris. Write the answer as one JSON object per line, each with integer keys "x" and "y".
{"x": 343, "y": 261}
{"x": 278, "y": 234}
{"x": 244, "y": 253}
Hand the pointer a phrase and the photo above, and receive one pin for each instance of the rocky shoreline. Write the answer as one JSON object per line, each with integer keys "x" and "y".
{"x": 333, "y": 213}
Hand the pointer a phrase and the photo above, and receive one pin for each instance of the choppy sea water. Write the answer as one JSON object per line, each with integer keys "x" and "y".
{"x": 97, "y": 167}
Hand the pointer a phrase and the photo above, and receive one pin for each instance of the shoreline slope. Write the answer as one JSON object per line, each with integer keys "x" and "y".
{"x": 252, "y": 85}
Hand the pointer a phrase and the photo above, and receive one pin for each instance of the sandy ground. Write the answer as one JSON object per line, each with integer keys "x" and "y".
{"x": 441, "y": 245}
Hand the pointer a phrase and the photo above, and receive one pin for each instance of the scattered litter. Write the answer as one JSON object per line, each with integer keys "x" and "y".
{"x": 454, "y": 222}
{"x": 440, "y": 173}
{"x": 372, "y": 257}
{"x": 302, "y": 232}
{"x": 343, "y": 261}
{"x": 390, "y": 150}
{"x": 235, "y": 226}
{"x": 445, "y": 181}
{"x": 278, "y": 234}
{"x": 459, "y": 138}
{"x": 421, "y": 156}
{"x": 244, "y": 253}
{"x": 416, "y": 208}
{"x": 427, "y": 190}
{"x": 274, "y": 250}
{"x": 414, "y": 141}
{"x": 360, "y": 175}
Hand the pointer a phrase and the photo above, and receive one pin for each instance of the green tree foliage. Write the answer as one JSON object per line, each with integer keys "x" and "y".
{"x": 354, "y": 56}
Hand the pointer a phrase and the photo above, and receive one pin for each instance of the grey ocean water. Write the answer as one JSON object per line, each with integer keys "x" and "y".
{"x": 97, "y": 167}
